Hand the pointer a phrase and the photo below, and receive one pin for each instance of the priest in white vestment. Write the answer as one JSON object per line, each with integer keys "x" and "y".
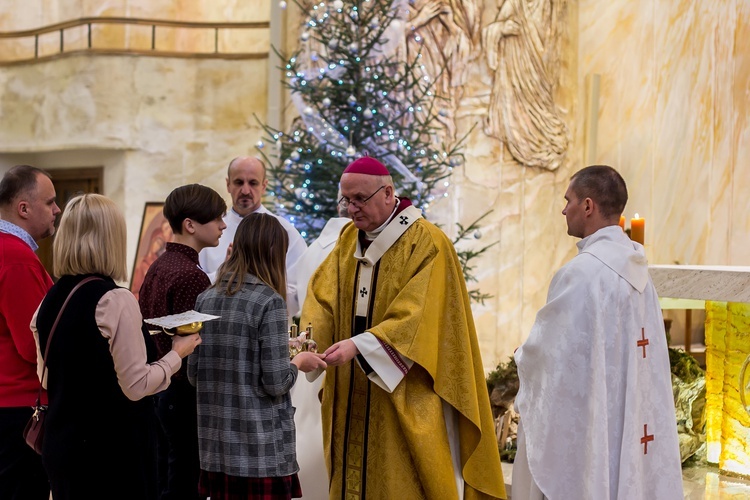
{"x": 595, "y": 398}
{"x": 246, "y": 184}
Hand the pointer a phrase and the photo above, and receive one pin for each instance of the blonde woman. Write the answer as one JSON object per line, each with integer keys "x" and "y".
{"x": 242, "y": 373}
{"x": 100, "y": 372}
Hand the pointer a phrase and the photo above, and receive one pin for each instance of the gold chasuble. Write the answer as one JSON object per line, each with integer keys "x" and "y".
{"x": 385, "y": 446}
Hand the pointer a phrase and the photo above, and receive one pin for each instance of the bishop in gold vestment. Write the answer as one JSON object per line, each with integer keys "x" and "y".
{"x": 421, "y": 428}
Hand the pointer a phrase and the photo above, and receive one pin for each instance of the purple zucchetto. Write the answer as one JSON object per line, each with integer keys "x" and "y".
{"x": 368, "y": 166}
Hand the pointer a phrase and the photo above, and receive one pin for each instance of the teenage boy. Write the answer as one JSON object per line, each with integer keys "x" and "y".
{"x": 171, "y": 285}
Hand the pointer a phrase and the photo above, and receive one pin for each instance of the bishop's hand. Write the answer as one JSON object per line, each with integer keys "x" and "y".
{"x": 341, "y": 352}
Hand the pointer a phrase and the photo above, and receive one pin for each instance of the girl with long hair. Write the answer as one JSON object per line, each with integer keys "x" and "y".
{"x": 243, "y": 374}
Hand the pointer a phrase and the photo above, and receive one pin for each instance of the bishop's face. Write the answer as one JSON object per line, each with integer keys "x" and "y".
{"x": 371, "y": 203}
{"x": 574, "y": 214}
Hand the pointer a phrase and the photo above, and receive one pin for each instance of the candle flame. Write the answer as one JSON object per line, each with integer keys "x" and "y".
{"x": 637, "y": 216}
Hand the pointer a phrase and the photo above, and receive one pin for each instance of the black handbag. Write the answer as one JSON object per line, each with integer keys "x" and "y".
{"x": 33, "y": 433}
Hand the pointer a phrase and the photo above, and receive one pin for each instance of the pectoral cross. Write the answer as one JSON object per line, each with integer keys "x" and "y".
{"x": 643, "y": 342}
{"x": 646, "y": 438}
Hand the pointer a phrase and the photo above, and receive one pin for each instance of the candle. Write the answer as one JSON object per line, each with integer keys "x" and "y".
{"x": 622, "y": 222}
{"x": 637, "y": 229}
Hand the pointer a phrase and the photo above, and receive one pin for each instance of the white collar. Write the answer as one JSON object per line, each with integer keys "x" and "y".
{"x": 260, "y": 210}
{"x": 371, "y": 235}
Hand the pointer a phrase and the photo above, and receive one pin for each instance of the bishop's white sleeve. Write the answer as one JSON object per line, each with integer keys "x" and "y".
{"x": 388, "y": 366}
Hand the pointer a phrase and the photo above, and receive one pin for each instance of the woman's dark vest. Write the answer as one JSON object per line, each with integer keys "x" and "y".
{"x": 90, "y": 422}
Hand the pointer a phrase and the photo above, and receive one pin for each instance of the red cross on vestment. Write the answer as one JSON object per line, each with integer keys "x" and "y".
{"x": 643, "y": 342}
{"x": 646, "y": 438}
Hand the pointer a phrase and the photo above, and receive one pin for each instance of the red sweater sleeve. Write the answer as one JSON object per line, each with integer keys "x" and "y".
{"x": 24, "y": 287}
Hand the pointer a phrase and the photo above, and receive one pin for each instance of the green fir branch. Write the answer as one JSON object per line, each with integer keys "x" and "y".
{"x": 394, "y": 108}
{"x": 467, "y": 258}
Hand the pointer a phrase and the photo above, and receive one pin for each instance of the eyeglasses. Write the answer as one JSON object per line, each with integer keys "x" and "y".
{"x": 357, "y": 202}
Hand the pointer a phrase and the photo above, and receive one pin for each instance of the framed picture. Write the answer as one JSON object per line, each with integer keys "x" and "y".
{"x": 152, "y": 242}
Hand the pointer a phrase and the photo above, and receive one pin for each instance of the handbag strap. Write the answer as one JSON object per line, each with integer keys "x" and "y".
{"x": 54, "y": 327}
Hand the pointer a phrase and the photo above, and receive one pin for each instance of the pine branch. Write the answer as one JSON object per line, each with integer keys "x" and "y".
{"x": 372, "y": 101}
{"x": 466, "y": 258}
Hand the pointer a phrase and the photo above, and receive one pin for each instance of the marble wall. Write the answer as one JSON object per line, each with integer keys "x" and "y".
{"x": 672, "y": 116}
{"x": 153, "y": 123}
{"x": 108, "y": 111}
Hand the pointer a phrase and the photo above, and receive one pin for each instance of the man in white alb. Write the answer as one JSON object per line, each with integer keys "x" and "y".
{"x": 316, "y": 253}
{"x": 595, "y": 398}
{"x": 246, "y": 183}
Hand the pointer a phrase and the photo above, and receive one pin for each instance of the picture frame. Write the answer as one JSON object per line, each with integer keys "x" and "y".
{"x": 153, "y": 237}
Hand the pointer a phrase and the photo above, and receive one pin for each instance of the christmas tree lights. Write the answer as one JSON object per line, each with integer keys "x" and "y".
{"x": 356, "y": 93}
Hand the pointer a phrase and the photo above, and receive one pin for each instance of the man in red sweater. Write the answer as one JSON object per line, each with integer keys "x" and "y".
{"x": 28, "y": 212}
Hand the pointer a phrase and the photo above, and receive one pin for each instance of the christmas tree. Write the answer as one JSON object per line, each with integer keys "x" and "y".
{"x": 357, "y": 93}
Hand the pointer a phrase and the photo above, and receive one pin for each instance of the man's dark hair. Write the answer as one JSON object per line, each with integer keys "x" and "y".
{"x": 17, "y": 180}
{"x": 198, "y": 203}
{"x": 604, "y": 185}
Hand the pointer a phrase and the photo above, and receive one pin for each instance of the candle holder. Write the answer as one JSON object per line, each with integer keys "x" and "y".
{"x": 309, "y": 345}
{"x": 295, "y": 343}
{"x": 301, "y": 343}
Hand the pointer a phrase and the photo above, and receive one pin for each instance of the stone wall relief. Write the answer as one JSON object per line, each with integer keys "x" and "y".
{"x": 516, "y": 56}
{"x": 520, "y": 67}
{"x": 444, "y": 34}
{"x": 522, "y": 49}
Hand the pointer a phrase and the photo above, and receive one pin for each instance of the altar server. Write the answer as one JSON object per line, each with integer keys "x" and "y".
{"x": 595, "y": 399}
{"x": 246, "y": 184}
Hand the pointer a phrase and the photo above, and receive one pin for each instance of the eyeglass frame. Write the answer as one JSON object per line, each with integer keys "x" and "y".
{"x": 345, "y": 202}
